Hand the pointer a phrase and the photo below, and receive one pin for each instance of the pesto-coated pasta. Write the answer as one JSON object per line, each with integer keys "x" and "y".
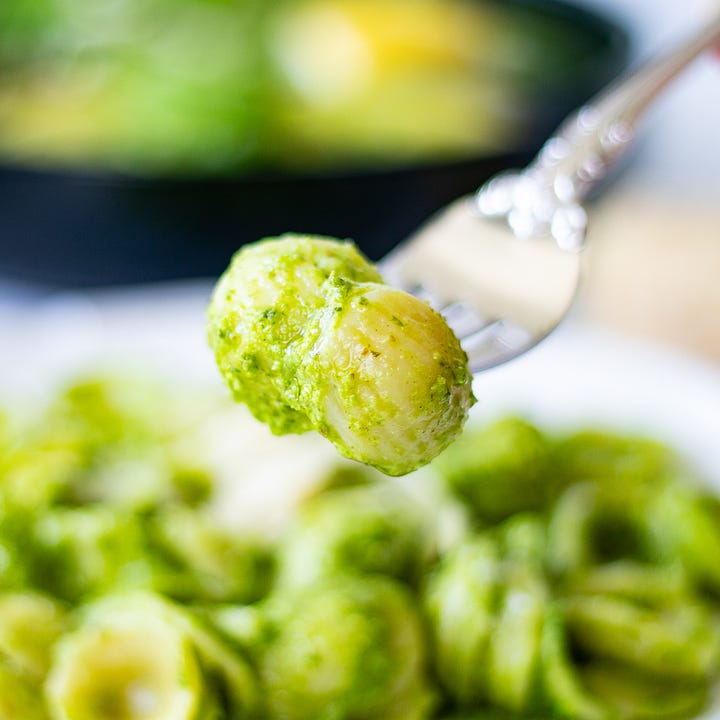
{"x": 127, "y": 659}
{"x": 205, "y": 562}
{"x": 305, "y": 332}
{"x": 561, "y": 680}
{"x": 365, "y": 529}
{"x": 84, "y": 551}
{"x": 460, "y": 599}
{"x": 662, "y": 585}
{"x": 683, "y": 526}
{"x": 594, "y": 597}
{"x": 675, "y": 643}
{"x": 138, "y": 656}
{"x": 513, "y": 658}
{"x": 30, "y": 624}
{"x": 635, "y": 696}
{"x": 353, "y": 648}
{"x": 20, "y": 697}
{"x": 500, "y": 469}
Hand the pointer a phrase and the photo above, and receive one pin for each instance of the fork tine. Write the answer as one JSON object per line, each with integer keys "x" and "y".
{"x": 464, "y": 319}
{"x": 477, "y": 273}
{"x": 422, "y": 292}
{"x": 487, "y": 341}
{"x": 494, "y": 344}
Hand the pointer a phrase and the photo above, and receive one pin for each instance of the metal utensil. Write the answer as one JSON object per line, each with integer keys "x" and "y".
{"x": 503, "y": 265}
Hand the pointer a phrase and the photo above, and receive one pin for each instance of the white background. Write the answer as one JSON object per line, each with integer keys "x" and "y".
{"x": 679, "y": 141}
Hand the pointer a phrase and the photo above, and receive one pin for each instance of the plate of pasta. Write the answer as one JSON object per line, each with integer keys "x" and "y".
{"x": 164, "y": 556}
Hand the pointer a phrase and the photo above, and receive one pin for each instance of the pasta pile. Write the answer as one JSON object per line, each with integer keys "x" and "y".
{"x": 521, "y": 575}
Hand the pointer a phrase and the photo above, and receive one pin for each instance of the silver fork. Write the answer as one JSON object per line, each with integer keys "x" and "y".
{"x": 503, "y": 265}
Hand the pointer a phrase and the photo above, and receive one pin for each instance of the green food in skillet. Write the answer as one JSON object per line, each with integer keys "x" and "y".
{"x": 208, "y": 87}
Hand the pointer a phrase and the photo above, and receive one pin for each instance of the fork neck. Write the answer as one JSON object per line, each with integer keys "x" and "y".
{"x": 545, "y": 197}
{"x": 591, "y": 140}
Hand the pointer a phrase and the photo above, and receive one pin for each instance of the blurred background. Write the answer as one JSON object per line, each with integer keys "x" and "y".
{"x": 678, "y": 135}
{"x": 145, "y": 141}
{"x": 655, "y": 244}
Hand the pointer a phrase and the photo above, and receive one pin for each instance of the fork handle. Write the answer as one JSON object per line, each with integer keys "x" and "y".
{"x": 591, "y": 140}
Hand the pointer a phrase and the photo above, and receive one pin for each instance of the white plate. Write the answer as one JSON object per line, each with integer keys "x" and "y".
{"x": 578, "y": 376}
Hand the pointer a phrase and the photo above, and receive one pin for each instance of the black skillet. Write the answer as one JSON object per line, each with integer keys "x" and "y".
{"x": 75, "y": 229}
